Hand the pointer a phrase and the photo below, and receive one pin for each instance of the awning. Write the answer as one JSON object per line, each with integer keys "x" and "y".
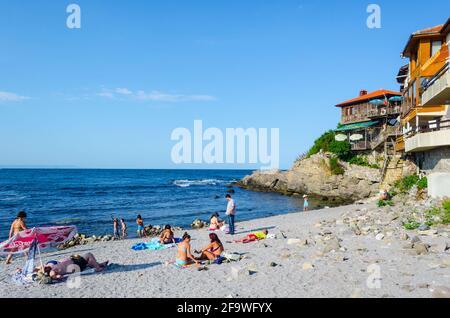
{"x": 357, "y": 126}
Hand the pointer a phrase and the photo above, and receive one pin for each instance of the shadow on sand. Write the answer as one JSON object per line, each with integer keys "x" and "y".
{"x": 117, "y": 268}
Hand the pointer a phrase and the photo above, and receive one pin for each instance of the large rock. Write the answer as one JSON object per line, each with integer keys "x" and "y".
{"x": 313, "y": 176}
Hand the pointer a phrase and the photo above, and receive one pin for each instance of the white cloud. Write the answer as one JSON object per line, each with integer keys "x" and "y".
{"x": 11, "y": 97}
{"x": 157, "y": 96}
{"x": 124, "y": 91}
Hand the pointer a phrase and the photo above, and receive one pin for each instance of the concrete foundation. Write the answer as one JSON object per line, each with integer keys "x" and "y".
{"x": 439, "y": 185}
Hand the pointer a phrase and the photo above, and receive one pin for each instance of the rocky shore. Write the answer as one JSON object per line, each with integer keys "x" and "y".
{"x": 314, "y": 176}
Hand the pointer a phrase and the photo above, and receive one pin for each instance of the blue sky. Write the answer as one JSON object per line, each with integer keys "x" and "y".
{"x": 109, "y": 94}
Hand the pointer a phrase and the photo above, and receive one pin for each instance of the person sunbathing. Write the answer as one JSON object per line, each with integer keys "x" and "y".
{"x": 215, "y": 223}
{"x": 253, "y": 237}
{"x": 184, "y": 256}
{"x": 213, "y": 251}
{"x": 56, "y": 270}
{"x": 167, "y": 236}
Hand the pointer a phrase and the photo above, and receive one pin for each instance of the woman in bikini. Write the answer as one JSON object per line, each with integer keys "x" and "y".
{"x": 216, "y": 224}
{"x": 17, "y": 226}
{"x": 184, "y": 256}
{"x": 167, "y": 236}
{"x": 213, "y": 250}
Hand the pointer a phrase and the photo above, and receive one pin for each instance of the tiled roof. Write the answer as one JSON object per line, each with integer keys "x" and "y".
{"x": 377, "y": 94}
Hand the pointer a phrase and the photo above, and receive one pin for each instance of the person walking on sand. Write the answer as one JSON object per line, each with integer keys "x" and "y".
{"x": 17, "y": 226}
{"x": 305, "y": 203}
{"x": 124, "y": 228}
{"x": 231, "y": 213}
{"x": 140, "y": 227}
{"x": 116, "y": 229}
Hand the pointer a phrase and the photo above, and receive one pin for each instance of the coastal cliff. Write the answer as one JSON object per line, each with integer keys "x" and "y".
{"x": 315, "y": 176}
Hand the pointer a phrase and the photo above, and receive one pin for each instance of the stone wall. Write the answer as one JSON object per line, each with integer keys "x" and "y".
{"x": 435, "y": 160}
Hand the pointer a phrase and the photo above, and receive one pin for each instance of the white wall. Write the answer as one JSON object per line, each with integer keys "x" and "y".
{"x": 439, "y": 185}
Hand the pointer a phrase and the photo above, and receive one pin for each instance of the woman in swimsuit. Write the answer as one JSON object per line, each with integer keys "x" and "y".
{"x": 140, "y": 225}
{"x": 167, "y": 236}
{"x": 215, "y": 223}
{"x": 213, "y": 250}
{"x": 184, "y": 256}
{"x": 17, "y": 226}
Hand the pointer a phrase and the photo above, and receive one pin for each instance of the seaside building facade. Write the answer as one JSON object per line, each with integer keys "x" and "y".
{"x": 370, "y": 121}
{"x": 425, "y": 111}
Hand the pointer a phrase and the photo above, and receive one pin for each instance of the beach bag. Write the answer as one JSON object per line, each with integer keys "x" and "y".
{"x": 225, "y": 228}
{"x": 234, "y": 257}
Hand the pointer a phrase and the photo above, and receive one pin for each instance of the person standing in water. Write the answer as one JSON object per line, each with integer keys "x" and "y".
{"x": 140, "y": 226}
{"x": 17, "y": 226}
{"x": 116, "y": 229}
{"x": 305, "y": 203}
{"x": 124, "y": 228}
{"x": 231, "y": 213}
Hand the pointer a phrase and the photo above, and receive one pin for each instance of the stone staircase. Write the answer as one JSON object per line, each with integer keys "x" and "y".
{"x": 393, "y": 171}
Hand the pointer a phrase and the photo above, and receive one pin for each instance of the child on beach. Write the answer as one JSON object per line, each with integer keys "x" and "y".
{"x": 167, "y": 236}
{"x": 17, "y": 226}
{"x": 116, "y": 229}
{"x": 124, "y": 228}
{"x": 140, "y": 227}
{"x": 305, "y": 203}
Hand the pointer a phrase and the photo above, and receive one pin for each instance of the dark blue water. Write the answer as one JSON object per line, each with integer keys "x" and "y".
{"x": 88, "y": 198}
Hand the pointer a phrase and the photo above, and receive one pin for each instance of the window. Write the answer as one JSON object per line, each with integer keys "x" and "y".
{"x": 435, "y": 47}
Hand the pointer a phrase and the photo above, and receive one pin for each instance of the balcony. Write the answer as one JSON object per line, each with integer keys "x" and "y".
{"x": 385, "y": 111}
{"x": 437, "y": 90}
{"x": 355, "y": 118}
{"x": 435, "y": 134}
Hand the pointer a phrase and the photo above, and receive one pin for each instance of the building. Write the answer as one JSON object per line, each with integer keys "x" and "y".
{"x": 369, "y": 121}
{"x": 425, "y": 114}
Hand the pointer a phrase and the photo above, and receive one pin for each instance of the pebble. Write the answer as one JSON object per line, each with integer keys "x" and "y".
{"x": 441, "y": 292}
{"x": 379, "y": 237}
{"x": 307, "y": 266}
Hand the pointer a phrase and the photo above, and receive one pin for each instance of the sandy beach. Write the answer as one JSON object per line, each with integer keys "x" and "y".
{"x": 298, "y": 263}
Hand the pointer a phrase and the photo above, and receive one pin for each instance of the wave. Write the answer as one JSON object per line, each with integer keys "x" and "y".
{"x": 202, "y": 182}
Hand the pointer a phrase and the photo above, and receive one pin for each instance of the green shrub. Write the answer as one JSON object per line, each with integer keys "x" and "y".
{"x": 322, "y": 143}
{"x": 446, "y": 212}
{"x": 362, "y": 161}
{"x": 342, "y": 149}
{"x": 422, "y": 183}
{"x": 407, "y": 183}
{"x": 335, "y": 167}
{"x": 382, "y": 203}
{"x": 411, "y": 225}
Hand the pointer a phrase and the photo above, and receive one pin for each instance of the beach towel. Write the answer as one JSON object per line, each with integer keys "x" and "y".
{"x": 24, "y": 276}
{"x": 154, "y": 245}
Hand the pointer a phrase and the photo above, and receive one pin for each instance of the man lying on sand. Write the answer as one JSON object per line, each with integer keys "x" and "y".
{"x": 56, "y": 270}
{"x": 253, "y": 237}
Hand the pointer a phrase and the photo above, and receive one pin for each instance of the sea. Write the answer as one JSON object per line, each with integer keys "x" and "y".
{"x": 90, "y": 199}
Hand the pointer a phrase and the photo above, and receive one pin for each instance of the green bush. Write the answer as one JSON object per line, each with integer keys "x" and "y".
{"x": 407, "y": 183}
{"x": 362, "y": 161}
{"x": 446, "y": 212}
{"x": 422, "y": 183}
{"x": 342, "y": 149}
{"x": 382, "y": 203}
{"x": 335, "y": 167}
{"x": 411, "y": 225}
{"x": 322, "y": 143}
